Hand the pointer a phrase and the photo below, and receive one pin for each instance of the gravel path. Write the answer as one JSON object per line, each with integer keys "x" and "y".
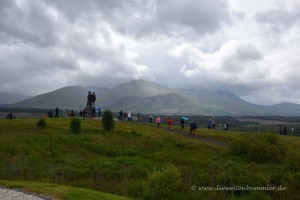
{"x": 8, "y": 194}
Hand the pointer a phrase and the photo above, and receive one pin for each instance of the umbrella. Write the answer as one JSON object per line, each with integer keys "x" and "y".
{"x": 185, "y": 118}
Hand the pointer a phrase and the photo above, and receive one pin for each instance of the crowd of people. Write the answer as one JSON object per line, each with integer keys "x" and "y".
{"x": 129, "y": 117}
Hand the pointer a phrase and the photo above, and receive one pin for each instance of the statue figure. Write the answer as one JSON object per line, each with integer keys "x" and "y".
{"x": 89, "y": 97}
{"x": 93, "y": 99}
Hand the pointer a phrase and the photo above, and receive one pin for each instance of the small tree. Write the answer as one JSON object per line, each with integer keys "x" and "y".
{"x": 75, "y": 125}
{"x": 108, "y": 121}
{"x": 41, "y": 123}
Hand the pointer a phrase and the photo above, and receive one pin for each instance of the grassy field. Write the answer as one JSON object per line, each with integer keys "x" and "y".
{"x": 144, "y": 162}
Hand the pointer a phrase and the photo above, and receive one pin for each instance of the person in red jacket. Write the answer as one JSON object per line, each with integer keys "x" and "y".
{"x": 170, "y": 123}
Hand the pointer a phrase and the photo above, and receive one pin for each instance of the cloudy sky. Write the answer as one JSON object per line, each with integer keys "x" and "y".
{"x": 251, "y": 48}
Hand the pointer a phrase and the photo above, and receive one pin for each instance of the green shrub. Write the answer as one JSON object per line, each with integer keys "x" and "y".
{"x": 41, "y": 123}
{"x": 163, "y": 184}
{"x": 108, "y": 121}
{"x": 75, "y": 125}
{"x": 261, "y": 148}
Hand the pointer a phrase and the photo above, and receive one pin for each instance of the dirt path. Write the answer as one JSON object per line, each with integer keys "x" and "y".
{"x": 198, "y": 137}
{"x": 9, "y": 194}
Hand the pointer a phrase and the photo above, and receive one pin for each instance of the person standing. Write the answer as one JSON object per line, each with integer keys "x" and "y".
{"x": 182, "y": 123}
{"x": 225, "y": 126}
{"x": 150, "y": 118}
{"x": 99, "y": 111}
{"x": 284, "y": 130}
{"x": 121, "y": 115}
{"x": 64, "y": 113}
{"x": 129, "y": 116}
{"x": 170, "y": 123}
{"x": 126, "y": 117}
{"x": 56, "y": 112}
{"x": 280, "y": 130}
{"x": 158, "y": 121}
{"x": 93, "y": 112}
{"x": 209, "y": 124}
{"x": 213, "y": 123}
{"x": 139, "y": 118}
{"x": 84, "y": 113}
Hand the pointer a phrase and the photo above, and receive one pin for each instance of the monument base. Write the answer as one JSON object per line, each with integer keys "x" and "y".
{"x": 90, "y": 111}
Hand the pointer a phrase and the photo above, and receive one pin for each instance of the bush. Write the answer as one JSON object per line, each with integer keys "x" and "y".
{"x": 108, "y": 121}
{"x": 261, "y": 148}
{"x": 163, "y": 184}
{"x": 41, "y": 123}
{"x": 75, "y": 125}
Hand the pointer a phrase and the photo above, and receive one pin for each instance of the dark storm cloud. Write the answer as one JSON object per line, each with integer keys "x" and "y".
{"x": 201, "y": 16}
{"x": 144, "y": 18}
{"x": 28, "y": 23}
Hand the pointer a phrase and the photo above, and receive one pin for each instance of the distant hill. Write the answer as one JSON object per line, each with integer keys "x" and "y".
{"x": 283, "y": 108}
{"x": 67, "y": 97}
{"x": 147, "y": 97}
{"x": 9, "y": 98}
{"x": 139, "y": 88}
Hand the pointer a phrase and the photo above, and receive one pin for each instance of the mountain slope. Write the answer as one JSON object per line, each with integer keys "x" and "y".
{"x": 139, "y": 88}
{"x": 68, "y": 97}
{"x": 286, "y": 109}
{"x": 9, "y": 98}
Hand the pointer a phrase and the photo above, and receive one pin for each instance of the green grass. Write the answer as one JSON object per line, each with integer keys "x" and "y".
{"x": 119, "y": 162}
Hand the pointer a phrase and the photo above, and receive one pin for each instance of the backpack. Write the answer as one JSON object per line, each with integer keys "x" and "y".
{"x": 195, "y": 126}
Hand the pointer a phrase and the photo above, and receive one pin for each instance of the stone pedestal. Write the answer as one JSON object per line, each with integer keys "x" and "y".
{"x": 89, "y": 111}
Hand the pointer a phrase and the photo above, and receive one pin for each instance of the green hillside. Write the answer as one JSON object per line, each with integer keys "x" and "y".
{"x": 145, "y": 162}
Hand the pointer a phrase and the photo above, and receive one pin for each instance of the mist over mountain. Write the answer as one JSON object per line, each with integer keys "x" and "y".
{"x": 9, "y": 98}
{"x": 148, "y": 97}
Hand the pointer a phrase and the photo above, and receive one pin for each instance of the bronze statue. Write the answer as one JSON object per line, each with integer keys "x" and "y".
{"x": 91, "y": 99}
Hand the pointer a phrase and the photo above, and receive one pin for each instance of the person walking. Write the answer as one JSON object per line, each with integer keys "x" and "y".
{"x": 193, "y": 127}
{"x": 158, "y": 121}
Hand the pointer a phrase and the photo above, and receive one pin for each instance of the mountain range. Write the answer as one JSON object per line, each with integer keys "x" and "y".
{"x": 148, "y": 97}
